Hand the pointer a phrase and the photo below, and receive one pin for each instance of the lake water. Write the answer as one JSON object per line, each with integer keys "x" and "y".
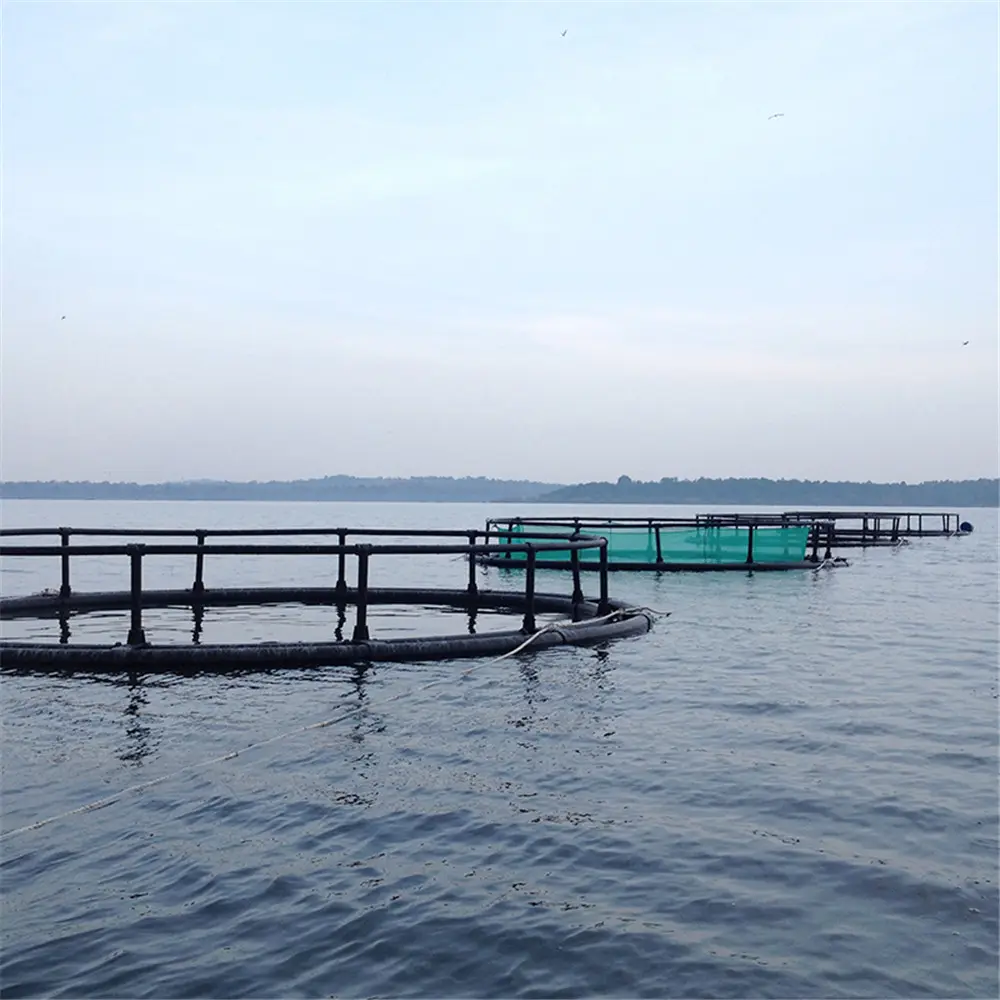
{"x": 786, "y": 789}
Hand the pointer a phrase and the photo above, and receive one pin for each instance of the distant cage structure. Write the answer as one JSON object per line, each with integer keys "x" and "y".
{"x": 588, "y": 620}
{"x": 724, "y": 541}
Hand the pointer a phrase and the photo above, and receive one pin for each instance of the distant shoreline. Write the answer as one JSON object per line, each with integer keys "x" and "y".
{"x": 729, "y": 492}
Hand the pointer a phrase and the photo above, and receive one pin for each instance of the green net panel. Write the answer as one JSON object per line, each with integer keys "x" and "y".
{"x": 686, "y": 545}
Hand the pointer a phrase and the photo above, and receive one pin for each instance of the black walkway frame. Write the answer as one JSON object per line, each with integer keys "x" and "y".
{"x": 589, "y": 620}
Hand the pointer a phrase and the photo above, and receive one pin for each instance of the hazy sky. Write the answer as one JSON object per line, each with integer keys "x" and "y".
{"x": 292, "y": 240}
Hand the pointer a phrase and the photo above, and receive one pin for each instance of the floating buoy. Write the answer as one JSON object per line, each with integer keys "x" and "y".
{"x": 965, "y": 528}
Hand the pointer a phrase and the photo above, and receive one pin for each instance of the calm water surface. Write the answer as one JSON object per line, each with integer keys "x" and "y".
{"x": 787, "y": 789}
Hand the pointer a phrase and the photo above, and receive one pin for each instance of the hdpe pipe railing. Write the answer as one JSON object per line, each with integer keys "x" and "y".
{"x": 531, "y": 545}
{"x": 866, "y": 527}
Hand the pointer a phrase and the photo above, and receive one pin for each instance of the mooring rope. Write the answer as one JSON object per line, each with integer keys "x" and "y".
{"x": 333, "y": 720}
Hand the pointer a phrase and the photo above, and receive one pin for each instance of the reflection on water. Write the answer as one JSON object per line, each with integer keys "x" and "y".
{"x": 137, "y": 732}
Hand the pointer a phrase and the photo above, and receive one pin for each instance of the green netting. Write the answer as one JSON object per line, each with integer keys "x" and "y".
{"x": 686, "y": 545}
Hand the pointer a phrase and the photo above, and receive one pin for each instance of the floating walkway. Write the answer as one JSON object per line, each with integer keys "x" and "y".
{"x": 586, "y": 620}
{"x": 861, "y": 529}
{"x": 721, "y": 541}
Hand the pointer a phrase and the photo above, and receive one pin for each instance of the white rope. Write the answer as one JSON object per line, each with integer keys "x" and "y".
{"x": 111, "y": 799}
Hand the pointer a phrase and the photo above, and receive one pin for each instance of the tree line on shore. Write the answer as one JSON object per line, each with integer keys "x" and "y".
{"x": 442, "y": 489}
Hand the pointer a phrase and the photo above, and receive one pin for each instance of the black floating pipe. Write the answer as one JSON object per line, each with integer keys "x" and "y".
{"x": 199, "y": 564}
{"x": 603, "y": 606}
{"x": 528, "y": 624}
{"x": 361, "y": 626}
{"x": 64, "y": 590}
{"x": 473, "y": 589}
{"x": 136, "y": 635}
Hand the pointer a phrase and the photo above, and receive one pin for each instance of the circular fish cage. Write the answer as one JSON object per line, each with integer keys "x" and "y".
{"x": 584, "y": 621}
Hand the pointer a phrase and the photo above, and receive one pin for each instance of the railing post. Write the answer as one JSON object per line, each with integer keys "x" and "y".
{"x": 574, "y": 557}
{"x": 361, "y": 625}
{"x": 829, "y": 542}
{"x": 815, "y": 542}
{"x": 528, "y": 625}
{"x": 136, "y": 635}
{"x": 473, "y": 589}
{"x": 199, "y": 564}
{"x": 659, "y": 546}
{"x": 341, "y": 564}
{"x": 750, "y": 545}
{"x": 64, "y": 590}
{"x": 603, "y": 606}
{"x": 510, "y": 539}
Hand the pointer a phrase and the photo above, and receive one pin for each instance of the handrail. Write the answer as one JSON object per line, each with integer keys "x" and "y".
{"x": 257, "y": 532}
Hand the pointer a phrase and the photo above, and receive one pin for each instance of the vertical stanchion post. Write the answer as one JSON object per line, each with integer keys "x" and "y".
{"x": 829, "y": 542}
{"x": 920, "y": 524}
{"x": 199, "y": 563}
{"x": 574, "y": 558}
{"x": 473, "y": 589}
{"x": 136, "y": 635}
{"x": 510, "y": 539}
{"x": 603, "y": 605}
{"x": 361, "y": 625}
{"x": 528, "y": 625}
{"x": 815, "y": 542}
{"x": 64, "y": 590}
{"x": 341, "y": 564}
{"x": 750, "y": 545}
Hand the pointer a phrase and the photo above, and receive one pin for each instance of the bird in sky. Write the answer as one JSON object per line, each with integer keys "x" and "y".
{"x": 564, "y": 33}
{"x": 63, "y": 317}
{"x": 780, "y": 114}
{"x": 965, "y": 343}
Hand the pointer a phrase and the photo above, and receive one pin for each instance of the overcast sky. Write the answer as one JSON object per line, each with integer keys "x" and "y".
{"x": 292, "y": 240}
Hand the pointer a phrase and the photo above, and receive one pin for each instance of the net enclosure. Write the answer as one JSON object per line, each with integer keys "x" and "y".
{"x": 707, "y": 545}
